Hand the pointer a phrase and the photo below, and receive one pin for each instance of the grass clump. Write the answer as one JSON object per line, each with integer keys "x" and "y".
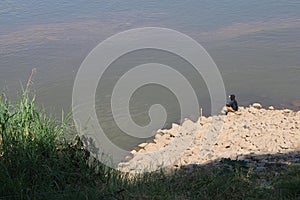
{"x": 35, "y": 160}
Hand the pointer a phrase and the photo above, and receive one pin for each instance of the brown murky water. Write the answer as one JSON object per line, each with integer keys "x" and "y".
{"x": 256, "y": 46}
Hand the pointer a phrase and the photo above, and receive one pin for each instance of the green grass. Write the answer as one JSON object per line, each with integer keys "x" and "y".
{"x": 36, "y": 162}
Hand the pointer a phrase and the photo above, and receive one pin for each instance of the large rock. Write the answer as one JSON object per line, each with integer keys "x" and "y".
{"x": 252, "y": 110}
{"x": 133, "y": 151}
{"x": 286, "y": 111}
{"x": 151, "y": 147}
{"x": 143, "y": 145}
{"x": 271, "y": 108}
{"x": 157, "y": 136}
{"x": 203, "y": 120}
{"x": 257, "y": 105}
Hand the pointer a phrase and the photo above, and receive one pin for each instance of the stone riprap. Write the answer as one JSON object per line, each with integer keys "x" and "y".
{"x": 254, "y": 131}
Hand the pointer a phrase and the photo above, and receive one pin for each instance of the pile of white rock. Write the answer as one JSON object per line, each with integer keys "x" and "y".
{"x": 254, "y": 131}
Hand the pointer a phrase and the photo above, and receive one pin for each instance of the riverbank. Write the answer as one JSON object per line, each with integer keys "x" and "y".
{"x": 37, "y": 162}
{"x": 253, "y": 132}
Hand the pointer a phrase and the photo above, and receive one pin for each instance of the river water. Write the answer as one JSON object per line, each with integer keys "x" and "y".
{"x": 255, "y": 44}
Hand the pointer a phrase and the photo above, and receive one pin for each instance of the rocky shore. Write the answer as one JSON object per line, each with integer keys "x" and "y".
{"x": 253, "y": 132}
